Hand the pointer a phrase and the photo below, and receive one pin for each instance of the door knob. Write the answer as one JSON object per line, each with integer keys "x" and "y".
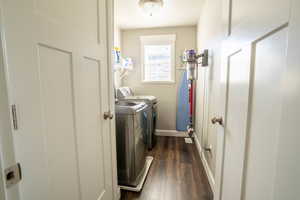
{"x": 108, "y": 115}
{"x": 217, "y": 120}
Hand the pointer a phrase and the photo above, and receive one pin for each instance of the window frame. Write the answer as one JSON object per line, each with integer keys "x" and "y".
{"x": 169, "y": 39}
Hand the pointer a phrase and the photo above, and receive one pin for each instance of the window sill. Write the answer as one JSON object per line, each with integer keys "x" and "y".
{"x": 159, "y": 82}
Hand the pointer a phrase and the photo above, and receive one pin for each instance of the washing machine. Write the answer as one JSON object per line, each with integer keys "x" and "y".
{"x": 130, "y": 137}
{"x": 127, "y": 95}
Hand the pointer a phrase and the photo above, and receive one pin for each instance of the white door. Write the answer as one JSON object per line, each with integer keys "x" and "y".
{"x": 258, "y": 100}
{"x": 58, "y": 79}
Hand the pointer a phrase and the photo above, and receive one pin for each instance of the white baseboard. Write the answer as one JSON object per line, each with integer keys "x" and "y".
{"x": 171, "y": 133}
{"x": 207, "y": 169}
{"x": 118, "y": 193}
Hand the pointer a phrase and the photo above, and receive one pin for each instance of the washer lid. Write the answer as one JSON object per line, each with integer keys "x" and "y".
{"x": 147, "y": 99}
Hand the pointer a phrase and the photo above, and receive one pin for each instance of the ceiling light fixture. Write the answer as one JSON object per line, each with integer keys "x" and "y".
{"x": 151, "y": 7}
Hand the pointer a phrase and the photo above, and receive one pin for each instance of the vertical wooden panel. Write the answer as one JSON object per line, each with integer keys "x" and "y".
{"x": 56, "y": 72}
{"x": 236, "y": 124}
{"x": 264, "y": 123}
{"x": 91, "y": 148}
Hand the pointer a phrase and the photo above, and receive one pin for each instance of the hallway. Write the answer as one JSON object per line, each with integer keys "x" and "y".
{"x": 176, "y": 173}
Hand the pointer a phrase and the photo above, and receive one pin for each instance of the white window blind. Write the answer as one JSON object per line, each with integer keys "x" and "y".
{"x": 158, "y": 58}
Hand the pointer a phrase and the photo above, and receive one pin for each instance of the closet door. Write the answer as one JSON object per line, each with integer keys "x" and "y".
{"x": 58, "y": 80}
{"x": 256, "y": 81}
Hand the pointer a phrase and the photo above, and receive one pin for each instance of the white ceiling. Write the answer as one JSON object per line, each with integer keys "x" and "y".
{"x": 174, "y": 13}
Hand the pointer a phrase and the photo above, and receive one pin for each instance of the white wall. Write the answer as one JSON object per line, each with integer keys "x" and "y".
{"x": 166, "y": 93}
{"x": 209, "y": 36}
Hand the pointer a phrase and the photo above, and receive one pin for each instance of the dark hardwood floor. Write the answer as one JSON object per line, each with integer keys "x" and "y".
{"x": 176, "y": 174}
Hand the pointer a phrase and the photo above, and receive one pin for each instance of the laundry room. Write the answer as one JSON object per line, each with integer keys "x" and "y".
{"x": 149, "y": 99}
{"x": 150, "y": 68}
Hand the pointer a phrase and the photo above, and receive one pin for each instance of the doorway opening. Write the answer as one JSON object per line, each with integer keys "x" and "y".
{"x": 148, "y": 68}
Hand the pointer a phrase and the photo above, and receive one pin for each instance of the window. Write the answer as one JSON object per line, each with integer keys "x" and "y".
{"x": 158, "y": 58}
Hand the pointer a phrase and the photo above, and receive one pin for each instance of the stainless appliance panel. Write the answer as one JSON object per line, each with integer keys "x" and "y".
{"x": 131, "y": 150}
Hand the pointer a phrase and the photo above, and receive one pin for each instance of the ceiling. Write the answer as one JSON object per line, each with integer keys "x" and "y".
{"x": 174, "y": 13}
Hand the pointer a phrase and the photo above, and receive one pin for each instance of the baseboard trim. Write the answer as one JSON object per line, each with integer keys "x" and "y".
{"x": 118, "y": 193}
{"x": 208, "y": 172}
{"x": 171, "y": 133}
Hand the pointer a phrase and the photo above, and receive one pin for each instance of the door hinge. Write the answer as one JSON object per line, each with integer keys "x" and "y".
{"x": 14, "y": 116}
{"x": 13, "y": 175}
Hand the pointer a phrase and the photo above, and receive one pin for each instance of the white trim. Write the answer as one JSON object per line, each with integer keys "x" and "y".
{"x": 3, "y": 99}
{"x": 159, "y": 82}
{"x": 7, "y": 151}
{"x": 171, "y": 133}
{"x": 3, "y": 192}
{"x": 118, "y": 193}
{"x": 110, "y": 60}
{"x": 169, "y": 39}
{"x": 207, "y": 169}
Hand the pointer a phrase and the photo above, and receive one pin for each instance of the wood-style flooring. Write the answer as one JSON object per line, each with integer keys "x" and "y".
{"x": 176, "y": 174}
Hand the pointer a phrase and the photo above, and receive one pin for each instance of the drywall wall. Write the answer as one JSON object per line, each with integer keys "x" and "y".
{"x": 166, "y": 93}
{"x": 209, "y": 36}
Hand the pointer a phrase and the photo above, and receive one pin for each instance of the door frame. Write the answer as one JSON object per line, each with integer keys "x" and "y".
{"x": 6, "y": 139}
{"x": 2, "y": 187}
{"x": 2, "y": 100}
{"x": 2, "y": 82}
{"x": 220, "y": 131}
{"x": 110, "y": 46}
